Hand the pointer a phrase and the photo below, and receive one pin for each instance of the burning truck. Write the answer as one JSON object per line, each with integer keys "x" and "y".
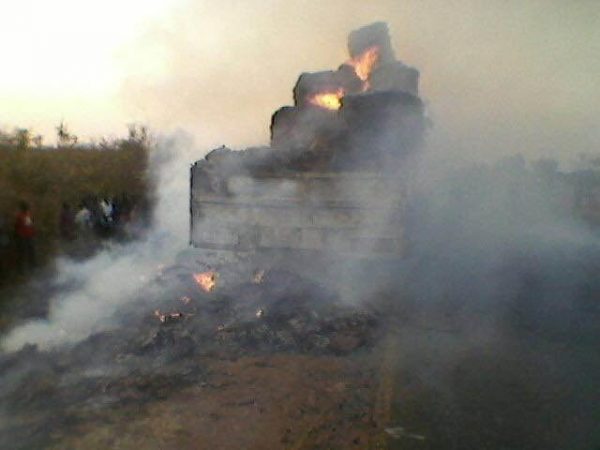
{"x": 334, "y": 179}
{"x": 336, "y": 175}
{"x": 241, "y": 353}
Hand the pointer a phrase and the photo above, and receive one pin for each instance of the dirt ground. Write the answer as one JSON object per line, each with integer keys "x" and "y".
{"x": 271, "y": 402}
{"x": 420, "y": 388}
{"x": 433, "y": 381}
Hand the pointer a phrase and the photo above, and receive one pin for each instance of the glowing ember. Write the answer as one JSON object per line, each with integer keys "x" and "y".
{"x": 167, "y": 317}
{"x": 363, "y": 64}
{"x": 328, "y": 100}
{"x": 258, "y": 277}
{"x": 206, "y": 280}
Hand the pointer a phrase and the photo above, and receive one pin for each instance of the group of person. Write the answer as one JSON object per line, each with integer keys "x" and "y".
{"x": 103, "y": 217}
{"x": 79, "y": 229}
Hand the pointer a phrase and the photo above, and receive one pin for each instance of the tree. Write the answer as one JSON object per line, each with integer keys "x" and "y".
{"x": 22, "y": 138}
{"x": 64, "y": 137}
{"x": 38, "y": 140}
{"x": 138, "y": 134}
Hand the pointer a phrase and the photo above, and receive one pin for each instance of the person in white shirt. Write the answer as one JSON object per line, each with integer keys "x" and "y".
{"x": 83, "y": 218}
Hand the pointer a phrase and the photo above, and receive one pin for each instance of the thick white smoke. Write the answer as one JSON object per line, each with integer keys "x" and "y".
{"x": 116, "y": 275}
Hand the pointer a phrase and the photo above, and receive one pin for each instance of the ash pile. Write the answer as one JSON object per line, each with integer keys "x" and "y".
{"x": 241, "y": 312}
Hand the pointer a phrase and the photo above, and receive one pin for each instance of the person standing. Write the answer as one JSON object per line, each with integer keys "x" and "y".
{"x": 83, "y": 219}
{"x": 24, "y": 237}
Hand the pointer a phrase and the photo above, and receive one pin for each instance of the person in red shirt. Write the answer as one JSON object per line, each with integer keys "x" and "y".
{"x": 24, "y": 237}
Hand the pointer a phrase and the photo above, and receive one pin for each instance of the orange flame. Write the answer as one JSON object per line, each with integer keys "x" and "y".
{"x": 363, "y": 64}
{"x": 206, "y": 280}
{"x": 328, "y": 100}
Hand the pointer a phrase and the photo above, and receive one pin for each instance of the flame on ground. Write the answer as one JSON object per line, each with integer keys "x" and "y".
{"x": 167, "y": 317}
{"x": 328, "y": 100}
{"x": 258, "y": 277}
{"x": 206, "y": 280}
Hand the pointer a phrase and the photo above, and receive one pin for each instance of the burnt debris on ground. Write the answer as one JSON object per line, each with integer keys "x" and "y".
{"x": 157, "y": 345}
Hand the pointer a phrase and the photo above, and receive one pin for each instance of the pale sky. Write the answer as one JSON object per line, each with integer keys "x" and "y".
{"x": 65, "y": 59}
{"x": 499, "y": 76}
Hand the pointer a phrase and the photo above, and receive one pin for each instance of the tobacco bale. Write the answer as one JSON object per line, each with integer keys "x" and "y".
{"x": 375, "y": 34}
{"x": 311, "y": 83}
{"x": 283, "y": 122}
{"x": 395, "y": 76}
{"x": 347, "y": 79}
{"x": 295, "y": 131}
{"x": 218, "y": 165}
{"x": 383, "y": 129}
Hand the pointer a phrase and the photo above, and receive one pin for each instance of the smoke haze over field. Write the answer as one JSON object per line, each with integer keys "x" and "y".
{"x": 107, "y": 282}
{"x": 500, "y": 77}
{"x": 494, "y": 303}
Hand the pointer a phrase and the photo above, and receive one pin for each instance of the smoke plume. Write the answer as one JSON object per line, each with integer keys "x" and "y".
{"x": 104, "y": 283}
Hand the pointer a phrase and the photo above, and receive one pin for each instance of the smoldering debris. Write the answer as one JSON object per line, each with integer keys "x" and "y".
{"x": 168, "y": 317}
{"x": 400, "y": 432}
{"x": 158, "y": 343}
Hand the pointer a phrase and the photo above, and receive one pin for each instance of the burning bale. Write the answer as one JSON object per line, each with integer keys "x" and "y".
{"x": 372, "y": 68}
{"x": 308, "y": 135}
{"x": 373, "y": 36}
{"x": 335, "y": 175}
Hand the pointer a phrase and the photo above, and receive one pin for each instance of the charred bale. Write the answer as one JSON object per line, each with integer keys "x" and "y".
{"x": 311, "y": 84}
{"x": 299, "y": 135}
{"x": 395, "y": 76}
{"x": 384, "y": 128}
{"x": 373, "y": 35}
